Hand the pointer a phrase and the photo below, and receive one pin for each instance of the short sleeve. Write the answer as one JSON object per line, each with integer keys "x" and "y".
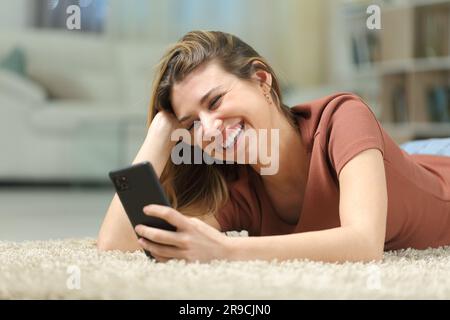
{"x": 353, "y": 128}
{"x": 241, "y": 212}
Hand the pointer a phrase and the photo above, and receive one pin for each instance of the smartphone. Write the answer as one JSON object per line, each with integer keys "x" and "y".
{"x": 138, "y": 186}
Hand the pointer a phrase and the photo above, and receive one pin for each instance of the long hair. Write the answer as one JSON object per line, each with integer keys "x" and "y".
{"x": 201, "y": 189}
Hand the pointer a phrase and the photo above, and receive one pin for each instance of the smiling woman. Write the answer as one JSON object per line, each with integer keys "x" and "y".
{"x": 222, "y": 83}
{"x": 343, "y": 190}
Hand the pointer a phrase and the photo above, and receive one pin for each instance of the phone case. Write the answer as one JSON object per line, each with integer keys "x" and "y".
{"x": 138, "y": 186}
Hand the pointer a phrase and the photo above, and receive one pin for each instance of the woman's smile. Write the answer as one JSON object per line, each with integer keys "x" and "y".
{"x": 232, "y": 135}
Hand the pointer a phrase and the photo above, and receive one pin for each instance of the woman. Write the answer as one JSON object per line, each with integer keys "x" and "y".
{"x": 343, "y": 189}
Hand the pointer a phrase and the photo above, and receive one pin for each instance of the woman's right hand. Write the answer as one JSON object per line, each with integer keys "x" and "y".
{"x": 158, "y": 145}
{"x": 162, "y": 126}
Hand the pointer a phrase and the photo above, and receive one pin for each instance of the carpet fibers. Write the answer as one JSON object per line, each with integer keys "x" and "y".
{"x": 74, "y": 269}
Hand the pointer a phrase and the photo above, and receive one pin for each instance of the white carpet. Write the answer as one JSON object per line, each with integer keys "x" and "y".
{"x": 39, "y": 270}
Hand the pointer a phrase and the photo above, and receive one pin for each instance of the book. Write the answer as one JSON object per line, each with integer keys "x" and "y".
{"x": 399, "y": 104}
{"x": 438, "y": 103}
{"x": 432, "y": 32}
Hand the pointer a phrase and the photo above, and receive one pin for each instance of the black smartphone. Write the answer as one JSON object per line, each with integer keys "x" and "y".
{"x": 138, "y": 186}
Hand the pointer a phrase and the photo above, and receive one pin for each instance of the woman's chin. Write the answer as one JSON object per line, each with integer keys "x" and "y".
{"x": 239, "y": 154}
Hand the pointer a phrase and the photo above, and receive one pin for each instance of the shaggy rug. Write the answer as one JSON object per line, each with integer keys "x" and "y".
{"x": 74, "y": 269}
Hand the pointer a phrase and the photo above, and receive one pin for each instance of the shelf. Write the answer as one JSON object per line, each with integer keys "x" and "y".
{"x": 402, "y": 132}
{"x": 415, "y": 4}
{"x": 357, "y": 10}
{"x": 404, "y": 68}
{"x": 379, "y": 69}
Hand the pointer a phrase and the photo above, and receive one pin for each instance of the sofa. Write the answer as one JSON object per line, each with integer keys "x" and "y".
{"x": 80, "y": 107}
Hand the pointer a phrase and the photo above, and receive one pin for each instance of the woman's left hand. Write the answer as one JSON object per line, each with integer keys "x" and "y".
{"x": 194, "y": 240}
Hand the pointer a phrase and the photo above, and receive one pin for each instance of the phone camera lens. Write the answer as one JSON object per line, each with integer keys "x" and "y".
{"x": 121, "y": 183}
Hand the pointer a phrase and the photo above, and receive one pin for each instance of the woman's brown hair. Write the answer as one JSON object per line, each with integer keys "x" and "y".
{"x": 201, "y": 189}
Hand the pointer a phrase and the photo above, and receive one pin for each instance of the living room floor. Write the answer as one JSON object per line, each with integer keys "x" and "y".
{"x": 52, "y": 213}
{"x": 43, "y": 268}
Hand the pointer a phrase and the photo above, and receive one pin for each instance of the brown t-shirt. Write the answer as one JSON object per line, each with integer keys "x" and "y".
{"x": 335, "y": 129}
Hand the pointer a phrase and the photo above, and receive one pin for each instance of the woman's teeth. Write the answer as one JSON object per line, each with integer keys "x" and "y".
{"x": 232, "y": 137}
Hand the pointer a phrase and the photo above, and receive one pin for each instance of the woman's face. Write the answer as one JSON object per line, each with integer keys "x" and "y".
{"x": 224, "y": 112}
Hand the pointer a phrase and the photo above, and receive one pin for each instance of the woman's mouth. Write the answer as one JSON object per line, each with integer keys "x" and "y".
{"x": 232, "y": 135}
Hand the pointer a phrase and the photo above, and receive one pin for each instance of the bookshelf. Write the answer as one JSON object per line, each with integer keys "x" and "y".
{"x": 402, "y": 70}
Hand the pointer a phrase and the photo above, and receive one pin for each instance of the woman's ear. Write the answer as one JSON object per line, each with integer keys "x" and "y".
{"x": 263, "y": 77}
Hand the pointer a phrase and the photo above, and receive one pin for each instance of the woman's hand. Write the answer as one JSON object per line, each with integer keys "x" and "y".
{"x": 194, "y": 240}
{"x": 158, "y": 145}
{"x": 160, "y": 130}
{"x": 163, "y": 124}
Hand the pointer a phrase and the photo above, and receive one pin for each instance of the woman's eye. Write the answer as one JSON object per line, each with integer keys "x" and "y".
{"x": 213, "y": 102}
{"x": 212, "y": 105}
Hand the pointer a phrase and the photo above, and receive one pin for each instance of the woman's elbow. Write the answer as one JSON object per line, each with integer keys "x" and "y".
{"x": 373, "y": 254}
{"x": 104, "y": 244}
{"x": 107, "y": 243}
{"x": 374, "y": 257}
{"x": 368, "y": 248}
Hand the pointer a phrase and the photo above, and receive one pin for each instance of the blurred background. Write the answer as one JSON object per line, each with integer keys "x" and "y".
{"x": 74, "y": 94}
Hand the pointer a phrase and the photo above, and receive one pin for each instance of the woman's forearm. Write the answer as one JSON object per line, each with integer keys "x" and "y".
{"x": 155, "y": 153}
{"x": 332, "y": 245}
{"x": 116, "y": 231}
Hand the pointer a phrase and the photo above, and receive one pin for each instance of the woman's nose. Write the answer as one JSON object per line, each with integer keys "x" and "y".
{"x": 210, "y": 124}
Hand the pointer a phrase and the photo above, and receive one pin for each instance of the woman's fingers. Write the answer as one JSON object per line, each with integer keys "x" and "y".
{"x": 168, "y": 214}
{"x": 158, "y": 250}
{"x": 161, "y": 259}
{"x": 161, "y": 236}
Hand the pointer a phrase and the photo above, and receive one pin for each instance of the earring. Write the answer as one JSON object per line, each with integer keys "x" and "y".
{"x": 266, "y": 94}
{"x": 268, "y": 98}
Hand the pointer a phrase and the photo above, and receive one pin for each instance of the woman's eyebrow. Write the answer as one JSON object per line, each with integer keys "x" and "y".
{"x": 205, "y": 97}
{"x": 202, "y": 101}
